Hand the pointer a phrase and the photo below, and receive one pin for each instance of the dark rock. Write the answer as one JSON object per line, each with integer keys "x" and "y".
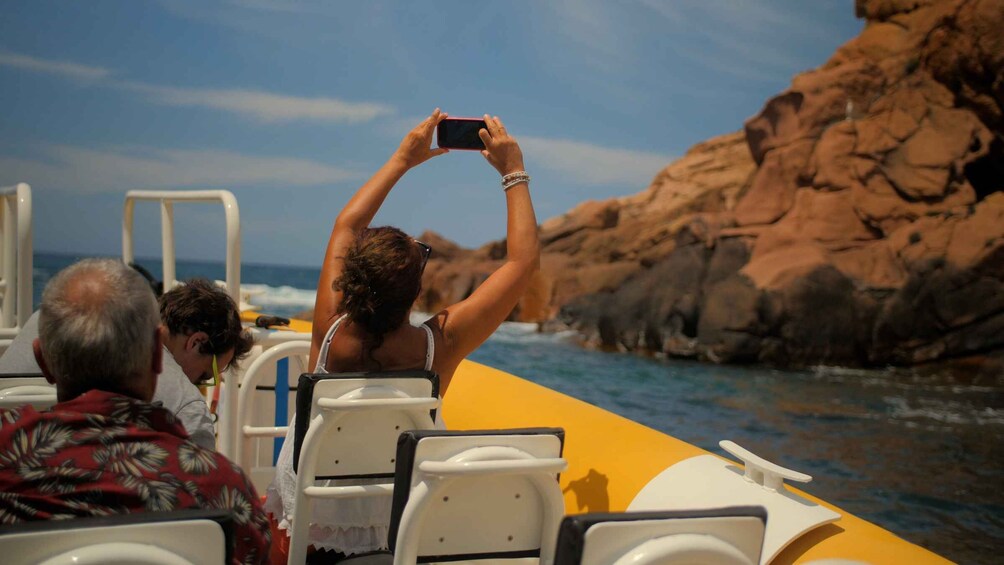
{"x": 729, "y": 328}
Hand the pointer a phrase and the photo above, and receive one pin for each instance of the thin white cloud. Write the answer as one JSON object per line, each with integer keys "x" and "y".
{"x": 276, "y": 20}
{"x": 723, "y": 18}
{"x": 399, "y": 126}
{"x": 596, "y": 27}
{"x": 593, "y": 164}
{"x": 61, "y": 68}
{"x": 740, "y": 50}
{"x": 282, "y": 6}
{"x": 740, "y": 37}
{"x": 265, "y": 106}
{"x": 115, "y": 169}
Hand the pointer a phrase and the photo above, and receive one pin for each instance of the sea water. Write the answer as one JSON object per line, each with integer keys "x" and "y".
{"x": 917, "y": 453}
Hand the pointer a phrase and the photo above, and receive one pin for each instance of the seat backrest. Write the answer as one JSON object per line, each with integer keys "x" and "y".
{"x": 464, "y": 495}
{"x": 159, "y": 538}
{"x": 720, "y": 536}
{"x": 366, "y": 414}
{"x": 20, "y": 389}
{"x": 347, "y": 425}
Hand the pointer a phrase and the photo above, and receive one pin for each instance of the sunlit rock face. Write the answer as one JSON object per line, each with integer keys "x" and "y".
{"x": 857, "y": 219}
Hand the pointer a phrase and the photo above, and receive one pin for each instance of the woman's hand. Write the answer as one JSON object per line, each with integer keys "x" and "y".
{"x": 501, "y": 149}
{"x": 416, "y": 147}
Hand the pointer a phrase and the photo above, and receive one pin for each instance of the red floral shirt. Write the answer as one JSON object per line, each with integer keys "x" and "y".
{"x": 103, "y": 453}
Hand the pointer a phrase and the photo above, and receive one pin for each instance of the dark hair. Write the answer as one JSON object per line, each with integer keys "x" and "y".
{"x": 380, "y": 281}
{"x": 200, "y": 306}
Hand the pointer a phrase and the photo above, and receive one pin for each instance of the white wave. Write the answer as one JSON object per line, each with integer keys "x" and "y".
{"x": 510, "y": 332}
{"x": 523, "y": 332}
{"x": 945, "y": 412}
{"x": 287, "y": 299}
{"x": 265, "y": 296}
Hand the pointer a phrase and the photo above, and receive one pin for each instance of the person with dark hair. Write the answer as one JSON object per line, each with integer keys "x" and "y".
{"x": 105, "y": 448}
{"x": 200, "y": 329}
{"x": 370, "y": 279}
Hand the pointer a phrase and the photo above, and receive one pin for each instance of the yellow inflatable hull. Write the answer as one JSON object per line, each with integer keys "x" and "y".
{"x": 611, "y": 458}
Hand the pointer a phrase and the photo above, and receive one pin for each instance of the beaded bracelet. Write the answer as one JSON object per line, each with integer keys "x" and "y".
{"x": 512, "y": 175}
{"x": 512, "y": 179}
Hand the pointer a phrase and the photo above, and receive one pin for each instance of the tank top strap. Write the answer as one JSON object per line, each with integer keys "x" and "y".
{"x": 322, "y": 355}
{"x": 430, "y": 347}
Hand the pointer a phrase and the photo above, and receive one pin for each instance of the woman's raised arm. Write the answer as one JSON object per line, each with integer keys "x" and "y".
{"x": 357, "y": 214}
{"x": 467, "y": 324}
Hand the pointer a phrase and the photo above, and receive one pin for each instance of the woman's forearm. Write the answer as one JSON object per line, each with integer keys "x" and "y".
{"x": 364, "y": 204}
{"x": 413, "y": 151}
{"x": 522, "y": 244}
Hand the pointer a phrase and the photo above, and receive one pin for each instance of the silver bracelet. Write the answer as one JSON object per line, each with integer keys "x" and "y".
{"x": 512, "y": 179}
{"x": 510, "y": 176}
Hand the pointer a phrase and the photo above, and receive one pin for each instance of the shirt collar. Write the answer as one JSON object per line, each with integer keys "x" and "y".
{"x": 120, "y": 407}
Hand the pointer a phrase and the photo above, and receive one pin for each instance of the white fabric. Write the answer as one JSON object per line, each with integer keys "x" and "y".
{"x": 351, "y": 525}
{"x": 177, "y": 393}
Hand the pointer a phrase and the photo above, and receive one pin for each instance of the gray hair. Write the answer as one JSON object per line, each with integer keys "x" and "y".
{"x": 96, "y": 325}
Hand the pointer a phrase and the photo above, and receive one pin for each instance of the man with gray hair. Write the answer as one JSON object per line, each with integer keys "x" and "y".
{"x": 104, "y": 448}
{"x": 202, "y": 335}
{"x": 97, "y": 329}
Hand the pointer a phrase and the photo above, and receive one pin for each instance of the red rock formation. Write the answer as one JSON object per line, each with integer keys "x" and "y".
{"x": 858, "y": 219}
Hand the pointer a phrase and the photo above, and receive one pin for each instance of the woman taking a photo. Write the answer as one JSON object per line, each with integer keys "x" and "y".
{"x": 369, "y": 282}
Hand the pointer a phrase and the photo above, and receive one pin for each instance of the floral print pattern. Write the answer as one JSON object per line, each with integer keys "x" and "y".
{"x": 101, "y": 454}
{"x": 195, "y": 459}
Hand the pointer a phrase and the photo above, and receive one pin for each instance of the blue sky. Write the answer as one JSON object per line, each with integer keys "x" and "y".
{"x": 291, "y": 105}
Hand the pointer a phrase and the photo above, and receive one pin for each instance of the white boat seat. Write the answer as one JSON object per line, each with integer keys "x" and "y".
{"x": 721, "y": 536}
{"x": 20, "y": 389}
{"x": 473, "y": 495}
{"x": 708, "y": 481}
{"x": 146, "y": 538}
{"x": 347, "y": 428}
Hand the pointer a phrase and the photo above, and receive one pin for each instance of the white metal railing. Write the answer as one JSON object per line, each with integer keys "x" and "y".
{"x": 229, "y": 429}
{"x": 167, "y": 199}
{"x": 16, "y": 263}
{"x": 253, "y": 374}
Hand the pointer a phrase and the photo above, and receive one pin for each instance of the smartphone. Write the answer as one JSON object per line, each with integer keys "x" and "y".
{"x": 460, "y": 133}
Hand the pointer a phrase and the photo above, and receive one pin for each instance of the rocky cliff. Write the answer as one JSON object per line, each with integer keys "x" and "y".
{"x": 857, "y": 219}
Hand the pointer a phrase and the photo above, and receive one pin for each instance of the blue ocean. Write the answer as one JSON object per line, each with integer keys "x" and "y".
{"x": 919, "y": 453}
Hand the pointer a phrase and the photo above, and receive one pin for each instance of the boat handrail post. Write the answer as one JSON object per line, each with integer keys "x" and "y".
{"x": 167, "y": 199}
{"x": 170, "y": 275}
{"x": 18, "y": 260}
{"x": 233, "y": 223}
{"x": 9, "y": 266}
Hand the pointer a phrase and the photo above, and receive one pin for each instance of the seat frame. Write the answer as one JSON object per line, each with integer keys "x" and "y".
{"x": 449, "y": 462}
{"x": 323, "y": 401}
{"x": 720, "y": 535}
{"x": 140, "y": 531}
{"x": 18, "y": 389}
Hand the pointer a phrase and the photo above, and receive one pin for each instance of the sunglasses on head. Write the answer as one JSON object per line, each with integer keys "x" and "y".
{"x": 426, "y": 252}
